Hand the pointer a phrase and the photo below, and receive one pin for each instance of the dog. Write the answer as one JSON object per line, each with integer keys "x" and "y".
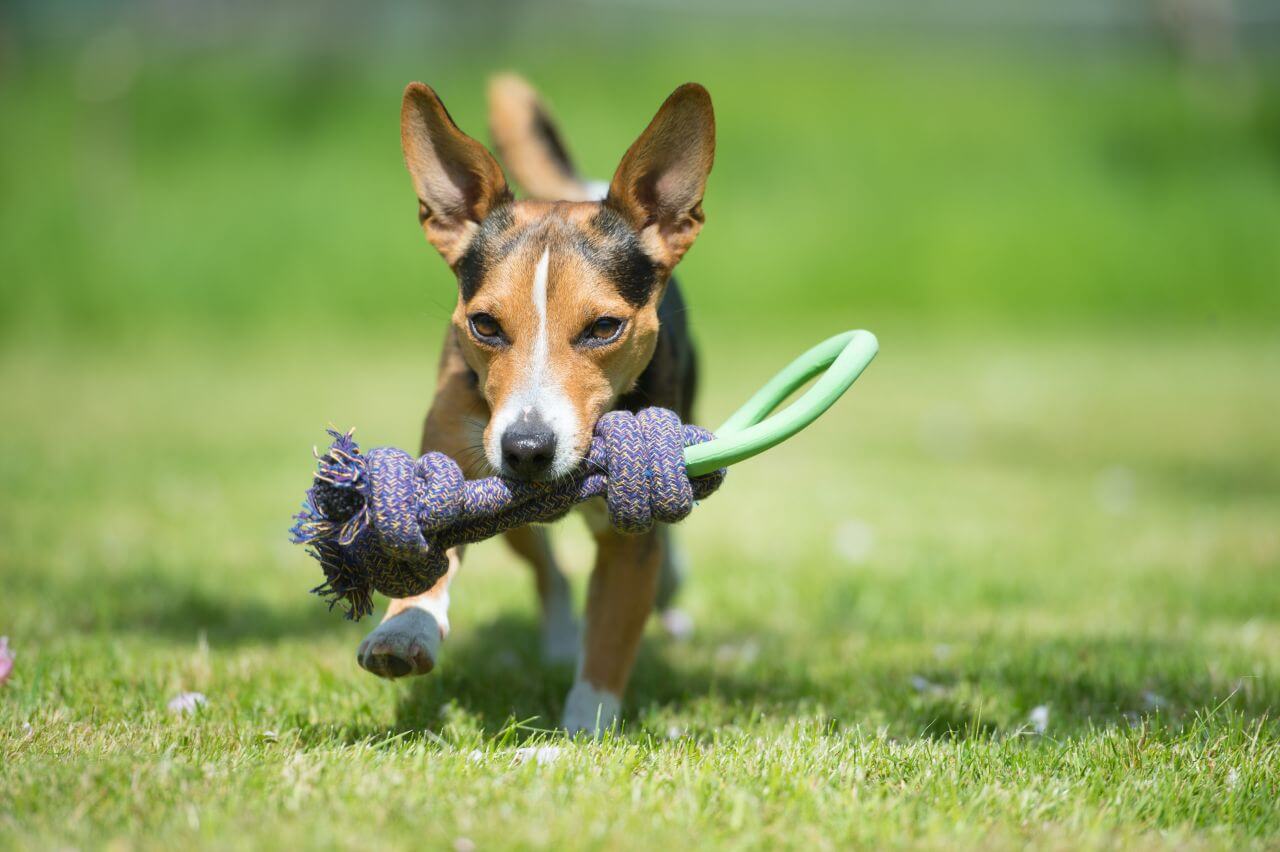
{"x": 566, "y": 309}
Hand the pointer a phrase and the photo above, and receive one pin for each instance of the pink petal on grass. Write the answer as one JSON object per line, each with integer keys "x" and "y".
{"x": 187, "y": 702}
{"x": 6, "y": 659}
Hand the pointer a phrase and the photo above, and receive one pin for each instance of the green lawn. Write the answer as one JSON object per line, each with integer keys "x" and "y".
{"x": 1051, "y": 502}
{"x": 984, "y": 527}
{"x": 244, "y": 189}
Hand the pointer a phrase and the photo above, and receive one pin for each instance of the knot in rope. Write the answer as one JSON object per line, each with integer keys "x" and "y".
{"x": 383, "y": 521}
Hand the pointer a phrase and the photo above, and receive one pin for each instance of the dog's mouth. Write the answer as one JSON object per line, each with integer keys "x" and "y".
{"x": 536, "y": 479}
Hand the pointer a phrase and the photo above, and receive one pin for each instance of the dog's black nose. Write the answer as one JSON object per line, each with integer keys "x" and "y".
{"x": 528, "y": 448}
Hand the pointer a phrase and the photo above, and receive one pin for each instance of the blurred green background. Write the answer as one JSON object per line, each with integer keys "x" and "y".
{"x": 174, "y": 165}
{"x": 1057, "y": 487}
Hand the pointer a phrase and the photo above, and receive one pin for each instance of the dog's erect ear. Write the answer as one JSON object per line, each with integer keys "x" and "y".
{"x": 458, "y": 182}
{"x": 658, "y": 187}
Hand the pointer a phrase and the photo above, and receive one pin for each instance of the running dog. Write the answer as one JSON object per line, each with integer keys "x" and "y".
{"x": 566, "y": 309}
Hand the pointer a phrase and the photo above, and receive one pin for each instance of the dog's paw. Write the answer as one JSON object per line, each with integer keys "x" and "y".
{"x": 405, "y": 644}
{"x": 590, "y": 711}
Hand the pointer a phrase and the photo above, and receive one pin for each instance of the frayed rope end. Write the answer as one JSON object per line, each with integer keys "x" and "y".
{"x": 333, "y": 515}
{"x": 343, "y": 584}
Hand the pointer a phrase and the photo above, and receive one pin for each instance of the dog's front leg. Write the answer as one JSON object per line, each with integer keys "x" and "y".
{"x": 407, "y": 642}
{"x": 620, "y": 598}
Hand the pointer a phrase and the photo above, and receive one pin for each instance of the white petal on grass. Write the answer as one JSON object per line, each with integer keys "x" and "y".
{"x": 854, "y": 540}
{"x": 921, "y": 684}
{"x": 187, "y": 702}
{"x": 540, "y": 755}
{"x": 744, "y": 653}
{"x": 677, "y": 623}
{"x": 924, "y": 686}
{"x": 1039, "y": 718}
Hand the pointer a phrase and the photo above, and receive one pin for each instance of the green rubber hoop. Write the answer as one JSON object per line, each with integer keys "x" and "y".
{"x": 751, "y": 430}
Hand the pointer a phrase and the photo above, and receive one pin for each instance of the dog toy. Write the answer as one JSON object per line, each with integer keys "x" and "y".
{"x": 383, "y": 521}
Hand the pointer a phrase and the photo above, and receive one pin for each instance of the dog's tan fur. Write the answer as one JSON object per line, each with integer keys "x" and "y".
{"x": 656, "y": 193}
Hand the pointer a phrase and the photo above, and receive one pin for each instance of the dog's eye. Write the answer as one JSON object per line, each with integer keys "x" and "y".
{"x": 486, "y": 329}
{"x": 602, "y": 330}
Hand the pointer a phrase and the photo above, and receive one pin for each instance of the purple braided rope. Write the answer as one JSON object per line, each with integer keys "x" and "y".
{"x": 382, "y": 521}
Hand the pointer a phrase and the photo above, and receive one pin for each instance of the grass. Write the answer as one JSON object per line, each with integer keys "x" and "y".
{"x": 984, "y": 527}
{"x": 1055, "y": 491}
{"x": 246, "y": 190}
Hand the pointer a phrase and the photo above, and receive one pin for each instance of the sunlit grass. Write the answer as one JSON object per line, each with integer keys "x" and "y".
{"x": 983, "y": 528}
{"x": 1019, "y": 587}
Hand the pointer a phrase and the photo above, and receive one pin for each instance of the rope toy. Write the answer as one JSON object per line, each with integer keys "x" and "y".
{"x": 383, "y": 521}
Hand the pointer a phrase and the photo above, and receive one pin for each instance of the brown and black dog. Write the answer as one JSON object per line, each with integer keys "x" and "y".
{"x": 566, "y": 309}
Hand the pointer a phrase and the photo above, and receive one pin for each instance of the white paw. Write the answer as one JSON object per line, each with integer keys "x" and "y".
{"x": 590, "y": 711}
{"x": 405, "y": 644}
{"x": 561, "y": 640}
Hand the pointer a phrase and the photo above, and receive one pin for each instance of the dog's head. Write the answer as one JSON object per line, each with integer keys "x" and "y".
{"x": 557, "y": 300}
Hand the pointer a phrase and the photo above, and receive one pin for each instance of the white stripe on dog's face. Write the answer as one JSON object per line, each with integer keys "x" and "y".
{"x": 539, "y": 363}
{"x": 540, "y": 394}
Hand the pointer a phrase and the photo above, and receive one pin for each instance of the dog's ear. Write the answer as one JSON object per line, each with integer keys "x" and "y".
{"x": 658, "y": 186}
{"x": 458, "y": 182}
